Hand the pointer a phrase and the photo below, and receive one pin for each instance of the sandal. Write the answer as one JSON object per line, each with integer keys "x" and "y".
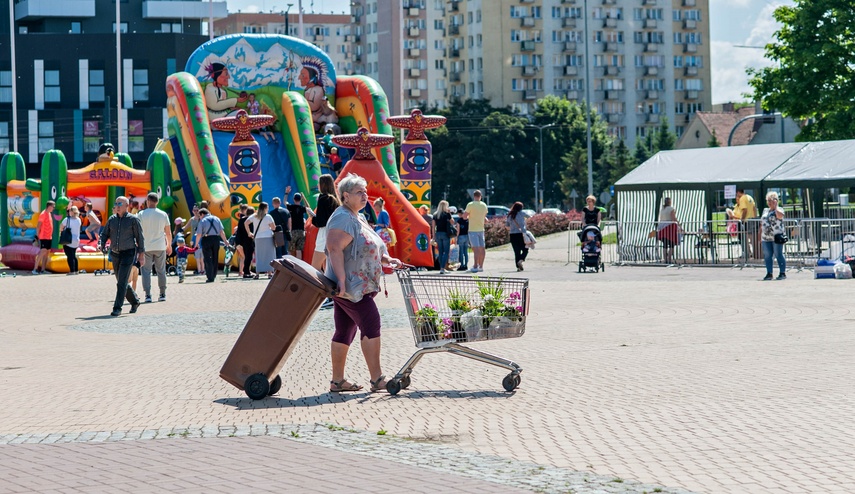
{"x": 379, "y": 384}
{"x": 343, "y": 386}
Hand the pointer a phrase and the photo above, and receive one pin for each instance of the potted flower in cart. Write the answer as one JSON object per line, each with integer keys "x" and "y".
{"x": 428, "y": 323}
{"x": 459, "y": 304}
{"x": 501, "y": 316}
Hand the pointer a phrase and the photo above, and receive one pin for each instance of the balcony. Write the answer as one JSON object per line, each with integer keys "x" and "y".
{"x": 415, "y": 72}
{"x": 569, "y": 46}
{"x": 415, "y": 93}
{"x": 348, "y": 38}
{"x": 357, "y": 38}
{"x": 454, "y": 52}
{"x": 572, "y": 94}
{"x": 610, "y": 47}
{"x": 453, "y": 29}
{"x": 527, "y": 46}
{"x": 650, "y": 23}
{"x": 34, "y": 9}
{"x": 651, "y": 71}
{"x": 651, "y": 48}
{"x": 609, "y": 2}
{"x": 610, "y": 22}
{"x": 691, "y": 94}
{"x": 614, "y": 117}
{"x": 169, "y": 9}
{"x": 689, "y": 3}
{"x": 357, "y": 58}
{"x": 613, "y": 94}
{"x": 529, "y": 94}
{"x": 690, "y": 24}
{"x": 413, "y": 11}
{"x": 526, "y": 1}
{"x": 568, "y": 1}
{"x": 529, "y": 70}
{"x": 318, "y": 37}
{"x": 414, "y": 53}
{"x": 648, "y": 2}
{"x": 413, "y": 32}
{"x": 611, "y": 70}
{"x": 652, "y": 94}
{"x": 453, "y": 6}
{"x": 691, "y": 71}
{"x": 690, "y": 48}
{"x": 568, "y": 22}
{"x": 355, "y": 19}
{"x": 454, "y": 76}
{"x": 571, "y": 70}
{"x": 652, "y": 118}
{"x": 526, "y": 21}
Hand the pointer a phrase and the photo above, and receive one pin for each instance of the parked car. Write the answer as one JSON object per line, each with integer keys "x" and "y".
{"x": 529, "y": 212}
{"x": 551, "y": 211}
{"x": 497, "y": 211}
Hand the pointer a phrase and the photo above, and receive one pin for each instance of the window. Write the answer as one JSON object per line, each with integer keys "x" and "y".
{"x": 51, "y": 86}
{"x": 517, "y": 11}
{"x": 45, "y": 137}
{"x": 678, "y": 61}
{"x": 96, "y": 86}
{"x": 140, "y": 84}
{"x": 4, "y": 137}
{"x": 75, "y": 28}
{"x": 124, "y": 27}
{"x": 535, "y": 11}
{"x": 5, "y": 86}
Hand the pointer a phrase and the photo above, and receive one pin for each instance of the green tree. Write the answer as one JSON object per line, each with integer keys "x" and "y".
{"x": 813, "y": 78}
{"x": 665, "y": 139}
{"x": 641, "y": 153}
{"x": 713, "y": 142}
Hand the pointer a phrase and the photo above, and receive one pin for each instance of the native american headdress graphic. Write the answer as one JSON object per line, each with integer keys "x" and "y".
{"x": 317, "y": 70}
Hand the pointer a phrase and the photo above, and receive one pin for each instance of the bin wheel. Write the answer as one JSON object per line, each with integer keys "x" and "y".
{"x": 393, "y": 387}
{"x": 405, "y": 382}
{"x": 275, "y": 386}
{"x": 256, "y": 386}
{"x": 509, "y": 382}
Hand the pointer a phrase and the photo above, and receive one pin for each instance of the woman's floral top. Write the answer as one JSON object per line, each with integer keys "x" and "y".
{"x": 362, "y": 257}
{"x": 771, "y": 225}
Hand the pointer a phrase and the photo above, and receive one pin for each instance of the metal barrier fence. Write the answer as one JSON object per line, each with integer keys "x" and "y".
{"x": 711, "y": 243}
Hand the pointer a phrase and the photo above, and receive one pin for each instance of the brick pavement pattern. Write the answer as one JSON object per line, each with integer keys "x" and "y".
{"x": 708, "y": 380}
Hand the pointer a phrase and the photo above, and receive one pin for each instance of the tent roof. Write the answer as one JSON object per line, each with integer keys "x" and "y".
{"x": 711, "y": 166}
{"x": 830, "y": 161}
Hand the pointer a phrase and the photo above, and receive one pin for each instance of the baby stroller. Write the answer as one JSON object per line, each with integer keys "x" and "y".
{"x": 592, "y": 240}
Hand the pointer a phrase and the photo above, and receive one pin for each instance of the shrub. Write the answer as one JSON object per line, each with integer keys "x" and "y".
{"x": 496, "y": 232}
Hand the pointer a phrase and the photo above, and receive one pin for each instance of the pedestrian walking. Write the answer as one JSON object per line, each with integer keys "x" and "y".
{"x": 516, "y": 226}
{"x": 444, "y": 224}
{"x": 263, "y": 227}
{"x": 477, "y": 211}
{"x": 44, "y": 233}
{"x": 298, "y": 224}
{"x": 182, "y": 252}
{"x": 72, "y": 222}
{"x": 158, "y": 241}
{"x": 282, "y": 218}
{"x": 124, "y": 232}
{"x": 327, "y": 204}
{"x": 196, "y": 240}
{"x": 210, "y": 230}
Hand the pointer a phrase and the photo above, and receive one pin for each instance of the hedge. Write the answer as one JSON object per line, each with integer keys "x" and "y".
{"x": 496, "y": 231}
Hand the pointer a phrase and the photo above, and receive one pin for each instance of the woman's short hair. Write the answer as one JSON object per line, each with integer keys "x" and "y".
{"x": 772, "y": 195}
{"x": 74, "y": 209}
{"x": 591, "y": 197}
{"x": 350, "y": 182}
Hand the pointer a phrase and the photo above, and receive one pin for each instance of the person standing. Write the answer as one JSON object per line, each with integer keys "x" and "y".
{"x": 516, "y": 225}
{"x": 44, "y": 232}
{"x": 282, "y": 218}
{"x": 181, "y": 253}
{"x": 298, "y": 224}
{"x": 210, "y": 230}
{"x": 263, "y": 227}
{"x": 241, "y": 238}
{"x": 745, "y": 210}
{"x": 463, "y": 241}
{"x": 124, "y": 232}
{"x": 356, "y": 258}
{"x": 444, "y": 223}
{"x": 93, "y": 231}
{"x": 327, "y": 204}
{"x": 668, "y": 230}
{"x": 158, "y": 241}
{"x": 772, "y": 223}
{"x": 196, "y": 240}
{"x": 249, "y": 243}
{"x": 477, "y": 212}
{"x": 72, "y": 221}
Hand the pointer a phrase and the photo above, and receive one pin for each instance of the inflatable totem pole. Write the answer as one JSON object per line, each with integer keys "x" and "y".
{"x": 416, "y": 155}
{"x": 244, "y": 157}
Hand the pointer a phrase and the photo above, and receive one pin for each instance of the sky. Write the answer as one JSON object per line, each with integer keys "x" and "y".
{"x": 732, "y": 22}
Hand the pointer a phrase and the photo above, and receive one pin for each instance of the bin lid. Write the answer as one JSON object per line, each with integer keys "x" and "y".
{"x": 307, "y": 272}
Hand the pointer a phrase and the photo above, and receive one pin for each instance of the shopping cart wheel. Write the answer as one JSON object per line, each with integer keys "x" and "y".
{"x": 256, "y": 386}
{"x": 405, "y": 382}
{"x": 393, "y": 387}
{"x": 510, "y": 382}
{"x": 275, "y": 386}
{"x": 517, "y": 380}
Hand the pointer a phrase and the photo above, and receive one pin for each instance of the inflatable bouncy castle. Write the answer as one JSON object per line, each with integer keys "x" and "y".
{"x": 244, "y": 121}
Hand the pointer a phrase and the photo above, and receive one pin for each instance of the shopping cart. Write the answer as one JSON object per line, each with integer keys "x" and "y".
{"x": 445, "y": 311}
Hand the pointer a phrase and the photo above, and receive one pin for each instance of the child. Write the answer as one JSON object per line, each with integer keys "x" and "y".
{"x": 94, "y": 228}
{"x": 181, "y": 254}
{"x": 591, "y": 244}
{"x": 335, "y": 161}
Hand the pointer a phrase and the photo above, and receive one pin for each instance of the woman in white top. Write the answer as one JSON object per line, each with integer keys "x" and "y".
{"x": 668, "y": 230}
{"x": 772, "y": 222}
{"x": 72, "y": 221}
{"x": 262, "y": 232}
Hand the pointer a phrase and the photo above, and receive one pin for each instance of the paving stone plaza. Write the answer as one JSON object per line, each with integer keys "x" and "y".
{"x": 636, "y": 379}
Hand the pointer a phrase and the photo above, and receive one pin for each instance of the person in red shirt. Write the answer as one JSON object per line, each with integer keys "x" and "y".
{"x": 44, "y": 231}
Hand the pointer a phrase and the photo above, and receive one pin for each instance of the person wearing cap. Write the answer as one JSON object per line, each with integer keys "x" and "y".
{"x": 127, "y": 244}
{"x": 180, "y": 228}
{"x": 158, "y": 240}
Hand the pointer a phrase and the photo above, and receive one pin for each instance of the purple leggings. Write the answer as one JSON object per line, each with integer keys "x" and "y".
{"x": 350, "y": 315}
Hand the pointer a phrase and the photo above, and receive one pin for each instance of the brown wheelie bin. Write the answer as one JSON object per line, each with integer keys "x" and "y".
{"x": 279, "y": 320}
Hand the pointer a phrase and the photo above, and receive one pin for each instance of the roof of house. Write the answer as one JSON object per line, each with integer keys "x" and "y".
{"x": 723, "y": 122}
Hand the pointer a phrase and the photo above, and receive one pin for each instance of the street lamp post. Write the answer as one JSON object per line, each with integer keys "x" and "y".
{"x": 539, "y": 200}
{"x": 588, "y": 104}
{"x": 14, "y": 80}
{"x": 287, "y": 33}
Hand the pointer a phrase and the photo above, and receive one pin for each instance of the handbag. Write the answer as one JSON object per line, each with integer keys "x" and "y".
{"x": 65, "y": 235}
{"x": 529, "y": 239}
{"x": 781, "y": 238}
{"x": 279, "y": 238}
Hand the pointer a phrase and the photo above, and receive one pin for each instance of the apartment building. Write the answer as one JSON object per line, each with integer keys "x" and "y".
{"x": 649, "y": 59}
{"x": 329, "y": 32}
{"x": 67, "y": 74}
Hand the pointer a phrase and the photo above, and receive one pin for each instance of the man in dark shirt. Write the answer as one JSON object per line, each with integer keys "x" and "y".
{"x": 298, "y": 224}
{"x": 282, "y": 218}
{"x": 124, "y": 232}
